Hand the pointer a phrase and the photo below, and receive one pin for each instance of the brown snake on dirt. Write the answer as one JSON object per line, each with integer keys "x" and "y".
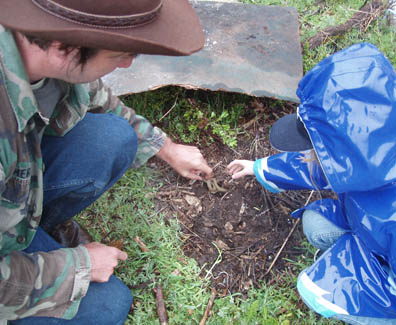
{"x": 214, "y": 187}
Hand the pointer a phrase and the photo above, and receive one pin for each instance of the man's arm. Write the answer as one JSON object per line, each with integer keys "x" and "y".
{"x": 151, "y": 139}
{"x": 186, "y": 160}
{"x": 43, "y": 284}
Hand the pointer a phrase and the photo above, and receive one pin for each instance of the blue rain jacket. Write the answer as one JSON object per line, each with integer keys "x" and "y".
{"x": 348, "y": 107}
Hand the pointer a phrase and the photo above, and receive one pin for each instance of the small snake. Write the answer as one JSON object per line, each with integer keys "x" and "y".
{"x": 214, "y": 187}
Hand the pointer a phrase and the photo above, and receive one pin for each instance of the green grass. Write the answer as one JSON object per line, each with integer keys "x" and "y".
{"x": 127, "y": 210}
{"x": 192, "y": 115}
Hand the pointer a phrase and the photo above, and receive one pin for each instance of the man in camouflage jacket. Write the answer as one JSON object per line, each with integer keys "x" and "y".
{"x": 38, "y": 283}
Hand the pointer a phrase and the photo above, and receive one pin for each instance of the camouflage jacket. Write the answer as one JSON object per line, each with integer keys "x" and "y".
{"x": 43, "y": 284}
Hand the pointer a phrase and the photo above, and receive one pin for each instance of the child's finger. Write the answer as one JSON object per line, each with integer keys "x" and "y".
{"x": 235, "y": 168}
{"x": 239, "y": 174}
{"x": 235, "y": 164}
{"x": 232, "y": 164}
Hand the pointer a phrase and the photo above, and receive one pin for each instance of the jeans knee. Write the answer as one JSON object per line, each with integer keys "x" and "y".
{"x": 106, "y": 303}
{"x": 121, "y": 142}
{"x": 309, "y": 222}
{"x": 121, "y": 305}
{"x": 127, "y": 299}
{"x": 320, "y": 232}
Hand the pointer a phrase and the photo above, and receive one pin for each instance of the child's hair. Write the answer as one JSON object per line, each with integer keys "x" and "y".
{"x": 312, "y": 160}
{"x": 310, "y": 156}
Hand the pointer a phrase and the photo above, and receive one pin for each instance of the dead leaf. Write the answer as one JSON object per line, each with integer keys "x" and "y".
{"x": 117, "y": 243}
{"x": 192, "y": 200}
{"x": 228, "y": 226}
{"x": 142, "y": 245}
{"x": 248, "y": 284}
{"x": 222, "y": 245}
{"x": 243, "y": 208}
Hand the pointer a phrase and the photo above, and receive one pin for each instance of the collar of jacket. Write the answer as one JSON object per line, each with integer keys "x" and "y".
{"x": 15, "y": 79}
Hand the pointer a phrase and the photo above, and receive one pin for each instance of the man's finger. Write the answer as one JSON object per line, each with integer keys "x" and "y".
{"x": 194, "y": 175}
{"x": 121, "y": 255}
{"x": 207, "y": 171}
{"x": 202, "y": 169}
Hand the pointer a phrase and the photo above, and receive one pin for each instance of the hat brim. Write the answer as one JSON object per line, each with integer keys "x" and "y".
{"x": 176, "y": 31}
{"x": 289, "y": 134}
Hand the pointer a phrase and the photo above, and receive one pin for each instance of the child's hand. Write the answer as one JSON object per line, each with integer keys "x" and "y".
{"x": 240, "y": 168}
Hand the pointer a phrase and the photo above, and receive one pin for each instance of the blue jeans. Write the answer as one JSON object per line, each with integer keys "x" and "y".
{"x": 322, "y": 234}
{"x": 79, "y": 167}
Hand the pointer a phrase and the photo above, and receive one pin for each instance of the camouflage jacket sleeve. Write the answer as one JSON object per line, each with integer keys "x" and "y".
{"x": 151, "y": 139}
{"x": 43, "y": 284}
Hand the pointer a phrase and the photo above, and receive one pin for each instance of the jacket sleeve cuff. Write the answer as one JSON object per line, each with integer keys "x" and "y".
{"x": 82, "y": 280}
{"x": 259, "y": 168}
{"x": 149, "y": 147}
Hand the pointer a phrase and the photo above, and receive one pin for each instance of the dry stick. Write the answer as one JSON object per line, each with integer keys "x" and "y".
{"x": 170, "y": 110}
{"x": 287, "y": 238}
{"x": 190, "y": 230}
{"x": 159, "y": 297}
{"x": 142, "y": 245}
{"x": 253, "y": 120}
{"x": 161, "y": 310}
{"x": 208, "y": 307}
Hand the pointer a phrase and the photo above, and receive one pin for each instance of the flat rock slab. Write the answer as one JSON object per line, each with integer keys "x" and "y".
{"x": 249, "y": 49}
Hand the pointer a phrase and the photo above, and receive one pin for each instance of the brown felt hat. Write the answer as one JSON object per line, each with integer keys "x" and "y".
{"x": 167, "y": 27}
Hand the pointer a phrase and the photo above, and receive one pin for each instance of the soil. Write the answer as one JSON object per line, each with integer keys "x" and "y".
{"x": 245, "y": 235}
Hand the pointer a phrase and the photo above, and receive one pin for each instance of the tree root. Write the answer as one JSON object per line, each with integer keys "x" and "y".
{"x": 361, "y": 19}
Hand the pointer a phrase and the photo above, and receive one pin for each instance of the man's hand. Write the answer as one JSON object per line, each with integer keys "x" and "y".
{"x": 103, "y": 260}
{"x": 186, "y": 160}
{"x": 240, "y": 168}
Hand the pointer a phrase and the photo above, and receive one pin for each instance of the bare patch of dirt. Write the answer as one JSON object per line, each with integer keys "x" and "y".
{"x": 244, "y": 235}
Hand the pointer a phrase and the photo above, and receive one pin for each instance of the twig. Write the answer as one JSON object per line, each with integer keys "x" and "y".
{"x": 217, "y": 165}
{"x": 283, "y": 246}
{"x": 287, "y": 238}
{"x": 253, "y": 120}
{"x": 161, "y": 310}
{"x": 194, "y": 233}
{"x": 145, "y": 219}
{"x": 142, "y": 245}
{"x": 170, "y": 110}
{"x": 209, "y": 306}
{"x": 236, "y": 152}
{"x": 174, "y": 192}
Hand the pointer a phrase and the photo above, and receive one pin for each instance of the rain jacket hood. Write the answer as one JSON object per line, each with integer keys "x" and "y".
{"x": 349, "y": 110}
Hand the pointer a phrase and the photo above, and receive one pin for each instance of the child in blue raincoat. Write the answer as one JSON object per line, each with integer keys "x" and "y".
{"x": 343, "y": 138}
